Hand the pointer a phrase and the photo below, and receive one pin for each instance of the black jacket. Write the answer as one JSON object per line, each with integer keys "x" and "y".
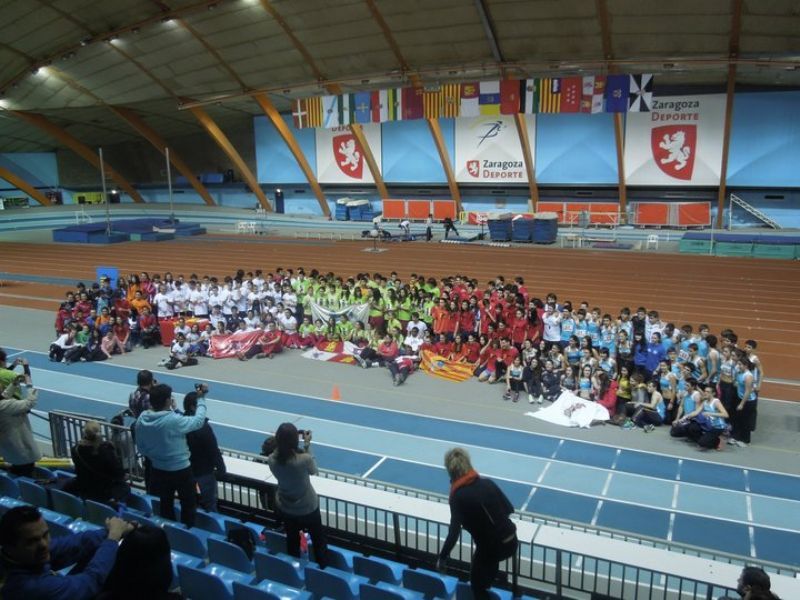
{"x": 483, "y": 510}
{"x": 205, "y": 457}
{"x": 99, "y": 476}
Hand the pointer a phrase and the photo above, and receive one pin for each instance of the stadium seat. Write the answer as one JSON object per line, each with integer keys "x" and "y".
{"x": 211, "y": 522}
{"x": 58, "y": 529}
{"x": 8, "y": 487}
{"x": 67, "y": 504}
{"x": 279, "y": 567}
{"x": 341, "y": 558}
{"x": 43, "y": 473}
{"x": 7, "y": 504}
{"x": 81, "y": 526}
{"x": 32, "y": 493}
{"x": 333, "y": 583}
{"x": 61, "y": 474}
{"x": 275, "y": 541}
{"x": 139, "y": 502}
{"x": 229, "y": 555}
{"x": 156, "y": 504}
{"x": 154, "y": 521}
{"x": 185, "y": 541}
{"x": 268, "y": 590}
{"x": 52, "y": 516}
{"x": 378, "y": 569}
{"x": 227, "y": 576}
{"x": 429, "y": 583}
{"x": 386, "y": 591}
{"x": 197, "y": 584}
{"x": 97, "y": 513}
{"x": 187, "y": 560}
{"x": 464, "y": 592}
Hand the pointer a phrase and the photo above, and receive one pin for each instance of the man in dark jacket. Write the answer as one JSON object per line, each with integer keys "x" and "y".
{"x": 204, "y": 454}
{"x": 480, "y": 507}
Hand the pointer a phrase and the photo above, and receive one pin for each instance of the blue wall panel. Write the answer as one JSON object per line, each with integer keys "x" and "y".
{"x": 409, "y": 152}
{"x": 575, "y": 149}
{"x": 274, "y": 161}
{"x": 765, "y": 140}
{"x": 39, "y": 169}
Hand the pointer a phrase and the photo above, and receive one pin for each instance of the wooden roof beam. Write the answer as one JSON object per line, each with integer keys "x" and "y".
{"x": 23, "y": 185}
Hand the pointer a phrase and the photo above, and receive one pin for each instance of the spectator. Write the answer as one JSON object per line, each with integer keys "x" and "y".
{"x": 17, "y": 445}
{"x": 753, "y": 584}
{"x": 480, "y": 507}
{"x": 296, "y": 499}
{"x": 204, "y": 454}
{"x": 31, "y": 558}
{"x": 143, "y": 568}
{"x": 64, "y": 342}
{"x": 99, "y": 475}
{"x": 149, "y": 333}
{"x": 161, "y": 437}
{"x": 7, "y": 373}
{"x": 139, "y": 400}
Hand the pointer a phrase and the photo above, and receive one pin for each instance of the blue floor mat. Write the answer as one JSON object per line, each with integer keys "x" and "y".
{"x": 774, "y": 484}
{"x": 586, "y": 454}
{"x": 562, "y": 505}
{"x": 652, "y": 465}
{"x": 777, "y": 546}
{"x": 637, "y": 519}
{"x": 712, "y": 533}
{"x": 730, "y": 478}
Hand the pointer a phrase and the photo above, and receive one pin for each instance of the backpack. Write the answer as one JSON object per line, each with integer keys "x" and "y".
{"x": 245, "y": 538}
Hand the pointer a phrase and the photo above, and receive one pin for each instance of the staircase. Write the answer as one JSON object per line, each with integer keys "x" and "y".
{"x": 753, "y": 211}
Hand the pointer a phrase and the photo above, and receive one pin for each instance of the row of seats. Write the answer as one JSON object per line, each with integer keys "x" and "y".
{"x": 208, "y": 567}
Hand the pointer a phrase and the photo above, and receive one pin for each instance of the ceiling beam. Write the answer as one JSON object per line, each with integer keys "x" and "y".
{"x": 230, "y": 151}
{"x": 298, "y": 45}
{"x": 525, "y": 142}
{"x": 604, "y": 21}
{"x": 23, "y": 185}
{"x": 488, "y": 29}
{"x": 444, "y": 156}
{"x": 81, "y": 149}
{"x": 288, "y": 137}
{"x": 147, "y": 132}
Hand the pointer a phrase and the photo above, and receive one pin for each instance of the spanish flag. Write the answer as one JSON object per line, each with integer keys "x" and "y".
{"x": 438, "y": 366}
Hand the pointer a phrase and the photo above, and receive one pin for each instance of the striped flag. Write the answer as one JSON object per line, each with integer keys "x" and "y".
{"x": 489, "y": 97}
{"x": 307, "y": 113}
{"x": 451, "y": 100}
{"x": 438, "y": 366}
{"x": 432, "y": 101}
{"x": 469, "y": 100}
{"x": 394, "y": 104}
{"x": 550, "y": 96}
{"x": 330, "y": 111}
{"x": 529, "y": 96}
{"x": 346, "y": 109}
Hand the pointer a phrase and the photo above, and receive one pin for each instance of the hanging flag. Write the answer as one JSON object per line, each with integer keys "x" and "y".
{"x": 412, "y": 103}
{"x": 489, "y": 97}
{"x": 330, "y": 111}
{"x": 451, "y": 100}
{"x": 469, "y": 100}
{"x": 300, "y": 114}
{"x": 308, "y": 113}
{"x": 433, "y": 103}
{"x": 394, "y": 104}
{"x": 550, "y": 96}
{"x": 586, "y": 93}
{"x": 529, "y": 96}
{"x": 617, "y": 90}
{"x": 599, "y": 94}
{"x": 509, "y": 97}
{"x": 641, "y": 93}
{"x": 377, "y": 103}
{"x": 571, "y": 94}
{"x": 362, "y": 106}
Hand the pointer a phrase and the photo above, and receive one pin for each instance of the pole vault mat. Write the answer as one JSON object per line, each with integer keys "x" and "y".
{"x": 612, "y": 246}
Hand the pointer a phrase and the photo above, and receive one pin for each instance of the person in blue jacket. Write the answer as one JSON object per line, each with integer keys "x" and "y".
{"x": 160, "y": 434}
{"x": 655, "y": 354}
{"x": 31, "y": 559}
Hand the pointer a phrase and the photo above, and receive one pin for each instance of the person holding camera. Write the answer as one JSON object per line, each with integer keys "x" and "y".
{"x": 297, "y": 502}
{"x": 8, "y": 375}
{"x": 204, "y": 454}
{"x": 17, "y": 445}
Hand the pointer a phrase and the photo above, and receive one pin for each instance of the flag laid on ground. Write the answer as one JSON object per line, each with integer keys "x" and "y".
{"x": 451, "y": 100}
{"x": 227, "y": 346}
{"x": 571, "y": 94}
{"x": 330, "y": 111}
{"x": 641, "y": 93}
{"x": 550, "y": 96}
{"x": 469, "y": 100}
{"x": 412, "y": 103}
{"x": 432, "y": 100}
{"x": 529, "y": 96}
{"x": 307, "y": 113}
{"x": 617, "y": 91}
{"x": 363, "y": 107}
{"x": 489, "y": 98}
{"x": 340, "y": 352}
{"x": 509, "y": 97}
{"x": 438, "y": 366}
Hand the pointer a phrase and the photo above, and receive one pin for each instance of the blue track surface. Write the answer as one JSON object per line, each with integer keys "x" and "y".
{"x": 722, "y": 508}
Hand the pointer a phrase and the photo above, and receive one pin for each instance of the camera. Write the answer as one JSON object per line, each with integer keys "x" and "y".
{"x": 301, "y": 434}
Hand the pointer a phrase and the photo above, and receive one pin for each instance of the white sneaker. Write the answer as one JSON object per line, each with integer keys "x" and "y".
{"x": 540, "y": 399}
{"x": 530, "y": 399}
{"x": 733, "y": 442}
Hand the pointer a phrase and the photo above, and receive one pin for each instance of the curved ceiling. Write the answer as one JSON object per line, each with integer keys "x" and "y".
{"x": 69, "y": 59}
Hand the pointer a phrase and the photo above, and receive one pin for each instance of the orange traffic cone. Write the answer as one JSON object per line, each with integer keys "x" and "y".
{"x": 335, "y": 393}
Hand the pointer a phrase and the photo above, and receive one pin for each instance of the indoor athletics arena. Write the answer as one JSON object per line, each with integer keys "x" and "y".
{"x": 524, "y": 275}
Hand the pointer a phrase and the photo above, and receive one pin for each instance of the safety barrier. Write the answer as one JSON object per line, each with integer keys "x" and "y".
{"x": 671, "y": 214}
{"x": 418, "y": 210}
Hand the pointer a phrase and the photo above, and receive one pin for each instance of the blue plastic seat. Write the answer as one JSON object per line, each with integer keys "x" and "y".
{"x": 52, "y": 516}
{"x": 341, "y": 558}
{"x": 7, "y": 504}
{"x": 143, "y": 520}
{"x": 386, "y": 591}
{"x": 139, "y": 502}
{"x": 8, "y": 487}
{"x": 281, "y": 568}
{"x": 429, "y": 583}
{"x": 185, "y": 541}
{"x": 200, "y": 585}
{"x": 464, "y": 592}
{"x": 226, "y": 575}
{"x": 228, "y": 555}
{"x": 62, "y": 474}
{"x": 43, "y": 473}
{"x": 97, "y": 512}
{"x": 379, "y": 569}
{"x": 32, "y": 493}
{"x": 268, "y": 590}
{"x": 58, "y": 529}
{"x": 213, "y": 522}
{"x": 156, "y": 504}
{"x": 333, "y": 583}
{"x": 187, "y": 560}
{"x": 81, "y": 526}
{"x": 66, "y": 503}
{"x": 275, "y": 541}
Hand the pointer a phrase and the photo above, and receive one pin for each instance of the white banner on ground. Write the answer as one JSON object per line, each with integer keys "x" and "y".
{"x": 488, "y": 149}
{"x": 571, "y": 411}
{"x": 678, "y": 143}
{"x": 354, "y": 312}
{"x": 340, "y": 160}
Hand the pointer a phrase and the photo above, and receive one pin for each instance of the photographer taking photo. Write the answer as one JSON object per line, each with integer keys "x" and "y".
{"x": 204, "y": 454}
{"x": 17, "y": 445}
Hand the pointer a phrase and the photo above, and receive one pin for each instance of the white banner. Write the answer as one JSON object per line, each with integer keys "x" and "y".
{"x": 678, "y": 143}
{"x": 488, "y": 149}
{"x": 340, "y": 160}
{"x": 354, "y": 312}
{"x": 571, "y": 411}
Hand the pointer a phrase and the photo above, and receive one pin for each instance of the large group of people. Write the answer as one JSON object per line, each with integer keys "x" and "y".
{"x": 645, "y": 371}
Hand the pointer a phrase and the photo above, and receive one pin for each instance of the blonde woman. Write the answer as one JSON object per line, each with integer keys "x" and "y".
{"x": 99, "y": 475}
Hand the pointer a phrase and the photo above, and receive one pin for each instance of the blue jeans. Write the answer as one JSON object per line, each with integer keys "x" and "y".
{"x": 208, "y": 491}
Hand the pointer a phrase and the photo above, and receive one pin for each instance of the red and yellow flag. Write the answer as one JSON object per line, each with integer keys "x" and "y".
{"x": 438, "y": 366}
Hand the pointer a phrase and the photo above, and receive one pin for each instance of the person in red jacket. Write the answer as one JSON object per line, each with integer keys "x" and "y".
{"x": 519, "y": 328}
{"x": 149, "y": 333}
{"x": 451, "y": 320}
{"x": 401, "y": 366}
{"x": 472, "y": 349}
{"x": 604, "y": 391}
{"x": 271, "y": 342}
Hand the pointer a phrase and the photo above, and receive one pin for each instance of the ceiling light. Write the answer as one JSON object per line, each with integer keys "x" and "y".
{"x": 167, "y": 20}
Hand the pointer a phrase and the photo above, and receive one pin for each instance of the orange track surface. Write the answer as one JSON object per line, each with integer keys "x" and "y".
{"x": 756, "y": 298}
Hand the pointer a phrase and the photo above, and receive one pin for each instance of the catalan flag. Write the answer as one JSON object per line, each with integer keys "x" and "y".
{"x": 438, "y": 366}
{"x": 432, "y": 103}
{"x": 451, "y": 100}
{"x": 550, "y": 96}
